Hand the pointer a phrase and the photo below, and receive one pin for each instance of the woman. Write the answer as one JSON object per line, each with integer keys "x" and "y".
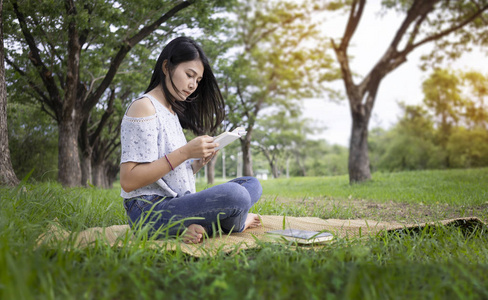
{"x": 158, "y": 165}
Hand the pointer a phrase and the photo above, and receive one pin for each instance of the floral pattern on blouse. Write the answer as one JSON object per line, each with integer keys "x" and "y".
{"x": 149, "y": 138}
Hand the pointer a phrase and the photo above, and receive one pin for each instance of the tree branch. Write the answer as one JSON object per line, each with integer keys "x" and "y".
{"x": 268, "y": 32}
{"x": 51, "y": 47}
{"x": 48, "y": 112}
{"x": 357, "y": 9}
{"x": 352, "y": 23}
{"x": 393, "y": 58}
{"x": 449, "y": 30}
{"x": 243, "y": 103}
{"x": 125, "y": 47}
{"x": 95, "y": 79}
{"x": 416, "y": 29}
{"x": 84, "y": 33}
{"x": 43, "y": 98}
{"x": 418, "y": 10}
{"x": 113, "y": 148}
{"x": 35, "y": 58}
{"x": 105, "y": 117}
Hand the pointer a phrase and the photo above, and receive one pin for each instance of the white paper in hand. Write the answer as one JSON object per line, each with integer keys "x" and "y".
{"x": 228, "y": 137}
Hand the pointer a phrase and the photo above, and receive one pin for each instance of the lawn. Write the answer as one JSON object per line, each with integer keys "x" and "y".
{"x": 436, "y": 263}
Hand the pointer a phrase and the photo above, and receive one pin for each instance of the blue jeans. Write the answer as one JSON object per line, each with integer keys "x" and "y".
{"x": 224, "y": 206}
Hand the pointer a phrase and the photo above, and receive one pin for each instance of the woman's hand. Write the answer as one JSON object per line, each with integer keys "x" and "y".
{"x": 136, "y": 175}
{"x": 198, "y": 164}
{"x": 201, "y": 147}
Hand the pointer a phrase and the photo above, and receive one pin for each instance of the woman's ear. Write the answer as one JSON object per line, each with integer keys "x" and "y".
{"x": 165, "y": 67}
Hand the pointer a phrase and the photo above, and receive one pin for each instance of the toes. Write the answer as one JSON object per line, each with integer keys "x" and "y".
{"x": 194, "y": 234}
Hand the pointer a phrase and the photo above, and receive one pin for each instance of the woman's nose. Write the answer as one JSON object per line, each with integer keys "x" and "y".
{"x": 192, "y": 84}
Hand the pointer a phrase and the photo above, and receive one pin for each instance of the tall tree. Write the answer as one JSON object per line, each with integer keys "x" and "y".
{"x": 100, "y": 141}
{"x": 7, "y": 174}
{"x": 477, "y": 99}
{"x": 279, "y": 136}
{"x": 33, "y": 140}
{"x": 446, "y": 131}
{"x": 450, "y": 25}
{"x": 410, "y": 144}
{"x": 100, "y": 134}
{"x": 442, "y": 94}
{"x": 274, "y": 63}
{"x": 468, "y": 148}
{"x": 74, "y": 51}
{"x": 321, "y": 159}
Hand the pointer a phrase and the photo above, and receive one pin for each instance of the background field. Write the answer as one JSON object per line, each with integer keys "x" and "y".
{"x": 437, "y": 263}
{"x": 403, "y": 196}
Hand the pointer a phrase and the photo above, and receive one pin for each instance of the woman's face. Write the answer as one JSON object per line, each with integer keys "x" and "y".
{"x": 186, "y": 77}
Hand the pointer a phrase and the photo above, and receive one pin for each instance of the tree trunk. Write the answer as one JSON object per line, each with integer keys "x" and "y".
{"x": 211, "y": 171}
{"x": 407, "y": 38}
{"x": 98, "y": 175}
{"x": 86, "y": 154}
{"x": 105, "y": 178}
{"x": 75, "y": 105}
{"x": 274, "y": 170}
{"x": 104, "y": 170}
{"x": 86, "y": 167}
{"x": 104, "y": 174}
{"x": 246, "y": 157}
{"x": 7, "y": 174}
{"x": 301, "y": 166}
{"x": 272, "y": 162}
{"x": 358, "y": 150}
{"x": 69, "y": 174}
{"x": 111, "y": 174}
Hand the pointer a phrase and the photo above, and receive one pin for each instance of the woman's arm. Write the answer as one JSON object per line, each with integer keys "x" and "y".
{"x": 135, "y": 175}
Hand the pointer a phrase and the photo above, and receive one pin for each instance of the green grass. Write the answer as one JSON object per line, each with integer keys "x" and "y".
{"x": 447, "y": 186}
{"x": 436, "y": 263}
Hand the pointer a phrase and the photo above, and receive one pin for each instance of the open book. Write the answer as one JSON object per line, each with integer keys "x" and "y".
{"x": 302, "y": 236}
{"x": 228, "y": 137}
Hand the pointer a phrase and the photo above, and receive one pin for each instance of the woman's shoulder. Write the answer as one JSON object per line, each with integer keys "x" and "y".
{"x": 140, "y": 108}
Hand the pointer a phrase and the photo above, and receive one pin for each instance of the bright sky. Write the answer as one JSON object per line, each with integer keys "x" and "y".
{"x": 403, "y": 84}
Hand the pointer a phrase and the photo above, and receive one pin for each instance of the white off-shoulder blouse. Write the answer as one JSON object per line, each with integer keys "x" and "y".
{"x": 149, "y": 138}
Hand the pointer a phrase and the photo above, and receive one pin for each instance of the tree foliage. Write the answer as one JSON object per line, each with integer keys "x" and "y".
{"x": 409, "y": 145}
{"x": 320, "y": 159}
{"x": 443, "y": 96}
{"x": 273, "y": 62}
{"x": 7, "y": 174}
{"x": 280, "y": 136}
{"x": 476, "y": 85}
{"x": 446, "y": 131}
{"x": 33, "y": 140}
{"x": 66, "y": 55}
{"x": 452, "y": 26}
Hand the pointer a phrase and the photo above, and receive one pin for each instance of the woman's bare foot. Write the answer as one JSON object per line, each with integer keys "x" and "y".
{"x": 193, "y": 234}
{"x": 252, "y": 221}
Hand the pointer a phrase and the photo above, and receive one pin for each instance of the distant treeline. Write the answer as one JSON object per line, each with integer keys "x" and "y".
{"x": 448, "y": 130}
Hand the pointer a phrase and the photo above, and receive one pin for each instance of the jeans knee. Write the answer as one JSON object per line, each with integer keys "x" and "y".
{"x": 258, "y": 188}
{"x": 239, "y": 197}
{"x": 252, "y": 184}
{"x": 254, "y": 188}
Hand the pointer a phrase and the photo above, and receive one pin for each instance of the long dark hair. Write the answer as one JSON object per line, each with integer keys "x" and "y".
{"x": 204, "y": 110}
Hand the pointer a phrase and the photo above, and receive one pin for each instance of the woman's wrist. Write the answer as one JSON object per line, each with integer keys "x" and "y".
{"x": 183, "y": 152}
{"x": 169, "y": 163}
